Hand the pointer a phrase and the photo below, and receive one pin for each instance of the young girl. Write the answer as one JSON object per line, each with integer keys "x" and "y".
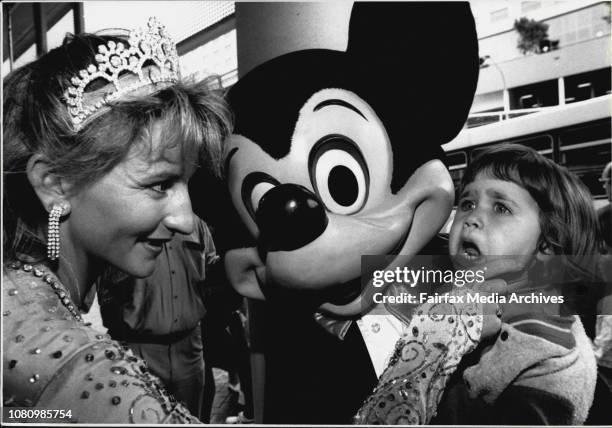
{"x": 541, "y": 369}
{"x": 521, "y": 211}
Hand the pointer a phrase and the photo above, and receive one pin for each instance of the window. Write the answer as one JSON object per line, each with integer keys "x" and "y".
{"x": 218, "y": 57}
{"x": 456, "y": 162}
{"x": 527, "y": 6}
{"x": 585, "y": 151}
{"x": 528, "y": 101}
{"x": 541, "y": 94}
{"x": 580, "y": 25}
{"x": 182, "y": 19}
{"x": 583, "y": 86}
{"x": 499, "y": 14}
{"x": 201, "y": 15}
{"x": 485, "y": 117}
{"x": 56, "y": 34}
{"x": 541, "y": 142}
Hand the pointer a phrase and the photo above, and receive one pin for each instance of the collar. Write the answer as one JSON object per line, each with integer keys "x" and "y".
{"x": 29, "y": 246}
{"x": 335, "y": 327}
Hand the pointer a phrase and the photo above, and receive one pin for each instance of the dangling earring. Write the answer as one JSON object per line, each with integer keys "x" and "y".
{"x": 53, "y": 239}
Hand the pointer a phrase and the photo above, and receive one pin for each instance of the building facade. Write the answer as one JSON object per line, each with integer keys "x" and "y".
{"x": 555, "y": 99}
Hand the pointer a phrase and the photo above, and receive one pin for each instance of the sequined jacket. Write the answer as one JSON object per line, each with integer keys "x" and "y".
{"x": 52, "y": 360}
{"x": 425, "y": 357}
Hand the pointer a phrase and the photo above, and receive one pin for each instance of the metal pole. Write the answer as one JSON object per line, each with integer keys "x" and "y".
{"x": 78, "y": 16}
{"x": 9, "y": 28}
{"x": 40, "y": 28}
{"x": 561, "y": 89}
{"x": 505, "y": 94}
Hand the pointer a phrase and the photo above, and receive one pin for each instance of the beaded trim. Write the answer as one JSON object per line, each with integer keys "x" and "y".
{"x": 59, "y": 290}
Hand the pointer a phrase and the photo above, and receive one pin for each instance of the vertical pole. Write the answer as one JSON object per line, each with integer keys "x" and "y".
{"x": 78, "y": 16}
{"x": 561, "y": 86}
{"x": 506, "y": 101}
{"x": 40, "y": 28}
{"x": 505, "y": 92}
{"x": 266, "y": 30}
{"x": 8, "y": 22}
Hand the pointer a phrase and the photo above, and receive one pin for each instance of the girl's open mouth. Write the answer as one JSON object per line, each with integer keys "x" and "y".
{"x": 469, "y": 252}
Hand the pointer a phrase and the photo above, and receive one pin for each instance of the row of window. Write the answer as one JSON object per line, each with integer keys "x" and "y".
{"x": 577, "y": 87}
{"x": 570, "y": 28}
{"x": 585, "y": 150}
{"x": 503, "y": 13}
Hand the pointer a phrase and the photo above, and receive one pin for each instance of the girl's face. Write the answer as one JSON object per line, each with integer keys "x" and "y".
{"x": 494, "y": 218}
{"x": 125, "y": 217}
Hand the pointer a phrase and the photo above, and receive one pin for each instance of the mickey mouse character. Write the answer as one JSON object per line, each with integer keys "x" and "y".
{"x": 336, "y": 155}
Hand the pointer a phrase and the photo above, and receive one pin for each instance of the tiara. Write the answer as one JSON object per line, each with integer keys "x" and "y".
{"x": 127, "y": 68}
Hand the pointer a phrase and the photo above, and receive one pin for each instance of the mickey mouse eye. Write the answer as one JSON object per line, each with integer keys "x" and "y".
{"x": 339, "y": 174}
{"x": 258, "y": 191}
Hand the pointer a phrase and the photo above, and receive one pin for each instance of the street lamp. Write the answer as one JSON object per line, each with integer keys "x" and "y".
{"x": 505, "y": 97}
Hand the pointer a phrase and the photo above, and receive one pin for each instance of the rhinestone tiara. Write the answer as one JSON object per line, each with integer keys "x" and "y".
{"x": 150, "y": 59}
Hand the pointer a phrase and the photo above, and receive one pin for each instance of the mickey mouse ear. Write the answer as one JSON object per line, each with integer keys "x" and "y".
{"x": 426, "y": 53}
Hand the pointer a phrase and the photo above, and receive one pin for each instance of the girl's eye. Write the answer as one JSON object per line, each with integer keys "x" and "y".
{"x": 467, "y": 205}
{"x": 501, "y": 208}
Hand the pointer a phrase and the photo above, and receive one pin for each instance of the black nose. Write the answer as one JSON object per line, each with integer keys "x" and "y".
{"x": 289, "y": 216}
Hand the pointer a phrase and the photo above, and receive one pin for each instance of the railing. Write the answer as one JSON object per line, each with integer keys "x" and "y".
{"x": 480, "y": 119}
{"x": 226, "y": 79}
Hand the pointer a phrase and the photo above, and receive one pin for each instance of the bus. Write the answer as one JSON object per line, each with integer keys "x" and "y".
{"x": 575, "y": 135}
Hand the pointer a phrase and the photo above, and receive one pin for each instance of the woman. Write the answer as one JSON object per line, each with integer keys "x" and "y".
{"x": 100, "y": 140}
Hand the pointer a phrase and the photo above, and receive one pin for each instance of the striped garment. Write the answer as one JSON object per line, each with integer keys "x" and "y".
{"x": 547, "y": 358}
{"x": 555, "y": 329}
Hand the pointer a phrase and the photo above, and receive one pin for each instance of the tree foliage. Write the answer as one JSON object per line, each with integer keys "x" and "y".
{"x": 532, "y": 35}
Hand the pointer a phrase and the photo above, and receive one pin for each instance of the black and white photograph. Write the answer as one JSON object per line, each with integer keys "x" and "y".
{"x": 307, "y": 213}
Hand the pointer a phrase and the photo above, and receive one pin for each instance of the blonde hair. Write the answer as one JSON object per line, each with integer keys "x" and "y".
{"x": 36, "y": 121}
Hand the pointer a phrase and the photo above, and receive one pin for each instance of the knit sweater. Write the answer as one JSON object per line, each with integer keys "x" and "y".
{"x": 539, "y": 370}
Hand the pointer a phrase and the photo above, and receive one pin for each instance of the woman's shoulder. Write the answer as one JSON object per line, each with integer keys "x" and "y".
{"x": 53, "y": 360}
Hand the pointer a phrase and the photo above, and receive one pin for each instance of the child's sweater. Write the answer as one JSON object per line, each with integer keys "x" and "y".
{"x": 539, "y": 370}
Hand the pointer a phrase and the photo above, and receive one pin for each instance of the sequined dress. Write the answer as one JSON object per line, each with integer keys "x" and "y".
{"x": 52, "y": 360}
{"x": 410, "y": 388}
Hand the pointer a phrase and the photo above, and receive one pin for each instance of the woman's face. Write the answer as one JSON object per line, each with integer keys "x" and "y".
{"x": 125, "y": 217}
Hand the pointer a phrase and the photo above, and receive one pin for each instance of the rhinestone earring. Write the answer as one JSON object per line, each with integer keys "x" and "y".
{"x": 53, "y": 239}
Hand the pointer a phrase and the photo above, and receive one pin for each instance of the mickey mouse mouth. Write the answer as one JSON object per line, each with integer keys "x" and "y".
{"x": 345, "y": 293}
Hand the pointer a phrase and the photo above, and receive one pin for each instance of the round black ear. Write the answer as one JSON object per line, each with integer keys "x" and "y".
{"x": 420, "y": 61}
